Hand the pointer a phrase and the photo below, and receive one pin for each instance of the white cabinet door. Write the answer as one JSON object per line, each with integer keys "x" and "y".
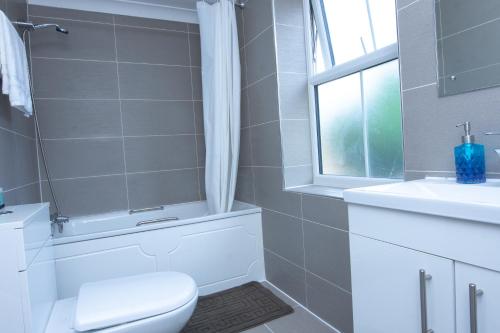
{"x": 487, "y": 305}
{"x": 386, "y": 289}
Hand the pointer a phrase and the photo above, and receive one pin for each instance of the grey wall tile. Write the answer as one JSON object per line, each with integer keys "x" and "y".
{"x": 245, "y": 114}
{"x": 245, "y": 148}
{"x": 193, "y": 28}
{"x": 293, "y": 96}
{"x": 290, "y": 12}
{"x": 330, "y": 303}
{"x": 195, "y": 49}
{"x": 54, "y": 12}
{"x": 86, "y": 40}
{"x": 263, "y": 101}
{"x": 291, "y": 49}
{"x": 283, "y": 236}
{"x": 417, "y": 44}
{"x": 296, "y": 146}
{"x": 149, "y": 23}
{"x": 286, "y": 276}
{"x": 88, "y": 195}
{"x": 324, "y": 210}
{"x": 84, "y": 158}
{"x": 138, "y": 81}
{"x": 200, "y": 150}
{"x": 7, "y": 165}
{"x": 22, "y": 124}
{"x": 269, "y": 192}
{"x": 74, "y": 79}
{"x": 266, "y": 144}
{"x": 152, "y": 46}
{"x": 258, "y": 15}
{"x": 157, "y": 153}
{"x": 245, "y": 185}
{"x": 25, "y": 162}
{"x": 258, "y": 65}
{"x": 197, "y": 83}
{"x": 243, "y": 64}
{"x": 327, "y": 253}
{"x": 78, "y": 118}
{"x": 157, "y": 118}
{"x": 163, "y": 188}
{"x": 16, "y": 9}
{"x": 198, "y": 114}
{"x": 201, "y": 177}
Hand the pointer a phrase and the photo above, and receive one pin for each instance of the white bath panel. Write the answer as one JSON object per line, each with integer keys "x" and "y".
{"x": 73, "y": 271}
{"x": 207, "y": 258}
{"x": 218, "y": 251}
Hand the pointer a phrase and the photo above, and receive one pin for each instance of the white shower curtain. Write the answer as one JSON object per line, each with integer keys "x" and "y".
{"x": 221, "y": 101}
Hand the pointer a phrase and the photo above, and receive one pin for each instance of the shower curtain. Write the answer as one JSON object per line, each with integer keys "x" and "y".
{"x": 221, "y": 101}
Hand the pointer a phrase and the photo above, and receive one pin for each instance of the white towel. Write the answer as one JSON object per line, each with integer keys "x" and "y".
{"x": 14, "y": 67}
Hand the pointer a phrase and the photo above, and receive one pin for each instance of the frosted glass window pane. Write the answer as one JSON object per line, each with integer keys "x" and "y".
{"x": 383, "y": 120}
{"x": 341, "y": 127}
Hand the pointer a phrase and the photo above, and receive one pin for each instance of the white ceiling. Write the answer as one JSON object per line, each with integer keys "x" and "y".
{"x": 173, "y": 10}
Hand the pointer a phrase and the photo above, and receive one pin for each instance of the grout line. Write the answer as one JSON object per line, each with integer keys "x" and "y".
{"x": 468, "y": 29}
{"x": 303, "y": 246}
{"x": 68, "y": 19}
{"x": 119, "y": 137}
{"x": 20, "y": 187}
{"x": 194, "y": 116}
{"x": 260, "y": 124}
{"x": 121, "y": 115}
{"x": 114, "y": 99}
{"x": 115, "y": 61}
{"x": 257, "y": 36}
{"x": 16, "y": 133}
{"x": 324, "y": 225}
{"x": 267, "y": 76}
{"x": 290, "y": 25}
{"x": 121, "y": 174}
{"x": 418, "y": 87}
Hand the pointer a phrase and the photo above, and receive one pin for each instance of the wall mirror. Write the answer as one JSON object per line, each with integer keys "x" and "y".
{"x": 468, "y": 38}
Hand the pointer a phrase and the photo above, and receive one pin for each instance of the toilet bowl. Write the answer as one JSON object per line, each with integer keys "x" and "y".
{"x": 151, "y": 303}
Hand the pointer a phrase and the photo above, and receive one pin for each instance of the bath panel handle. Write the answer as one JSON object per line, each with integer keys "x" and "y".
{"x": 166, "y": 219}
{"x": 423, "y": 277}
{"x": 144, "y": 210}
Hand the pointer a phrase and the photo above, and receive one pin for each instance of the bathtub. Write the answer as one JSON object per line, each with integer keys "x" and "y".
{"x": 219, "y": 251}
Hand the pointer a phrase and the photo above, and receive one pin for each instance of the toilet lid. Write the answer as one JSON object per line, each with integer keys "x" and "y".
{"x": 118, "y": 301}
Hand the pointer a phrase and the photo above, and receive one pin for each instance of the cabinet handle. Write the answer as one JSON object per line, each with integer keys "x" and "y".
{"x": 473, "y": 294}
{"x": 423, "y": 300}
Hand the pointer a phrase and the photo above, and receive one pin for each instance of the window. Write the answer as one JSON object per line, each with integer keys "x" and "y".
{"x": 355, "y": 92}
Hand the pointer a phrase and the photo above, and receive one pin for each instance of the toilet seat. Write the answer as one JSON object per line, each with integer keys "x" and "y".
{"x": 109, "y": 303}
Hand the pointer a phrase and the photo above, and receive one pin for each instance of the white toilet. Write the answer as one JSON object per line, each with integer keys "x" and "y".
{"x": 150, "y": 303}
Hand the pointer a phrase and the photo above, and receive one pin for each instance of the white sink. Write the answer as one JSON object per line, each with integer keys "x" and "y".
{"x": 435, "y": 196}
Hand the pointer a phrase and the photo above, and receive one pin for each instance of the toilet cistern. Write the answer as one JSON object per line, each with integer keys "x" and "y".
{"x": 494, "y": 133}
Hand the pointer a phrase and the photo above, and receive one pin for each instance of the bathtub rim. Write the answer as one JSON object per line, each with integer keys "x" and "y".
{"x": 251, "y": 209}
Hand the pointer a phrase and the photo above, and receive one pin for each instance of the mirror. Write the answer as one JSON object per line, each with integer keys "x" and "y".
{"x": 468, "y": 38}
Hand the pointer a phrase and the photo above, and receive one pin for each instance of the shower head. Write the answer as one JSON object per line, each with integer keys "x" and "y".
{"x": 32, "y": 27}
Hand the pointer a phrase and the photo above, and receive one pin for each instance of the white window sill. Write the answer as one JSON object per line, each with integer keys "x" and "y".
{"x": 325, "y": 191}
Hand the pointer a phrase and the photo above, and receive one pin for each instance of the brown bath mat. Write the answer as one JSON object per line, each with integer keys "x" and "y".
{"x": 236, "y": 310}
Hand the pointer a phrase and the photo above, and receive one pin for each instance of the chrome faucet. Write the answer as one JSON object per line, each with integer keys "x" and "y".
{"x": 58, "y": 220}
{"x": 494, "y": 133}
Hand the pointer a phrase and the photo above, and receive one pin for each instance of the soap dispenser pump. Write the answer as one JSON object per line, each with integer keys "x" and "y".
{"x": 469, "y": 159}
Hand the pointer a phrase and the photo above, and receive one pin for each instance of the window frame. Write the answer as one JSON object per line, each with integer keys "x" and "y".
{"x": 378, "y": 57}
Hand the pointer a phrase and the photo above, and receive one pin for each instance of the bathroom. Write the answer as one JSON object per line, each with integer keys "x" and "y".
{"x": 327, "y": 187}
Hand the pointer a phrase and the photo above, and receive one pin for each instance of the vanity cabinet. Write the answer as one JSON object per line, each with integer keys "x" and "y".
{"x": 387, "y": 284}
{"x": 422, "y": 260}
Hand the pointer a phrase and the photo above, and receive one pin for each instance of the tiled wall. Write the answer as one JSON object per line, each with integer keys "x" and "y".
{"x": 305, "y": 237}
{"x": 429, "y": 121}
{"x": 120, "y": 108}
{"x": 18, "y": 164}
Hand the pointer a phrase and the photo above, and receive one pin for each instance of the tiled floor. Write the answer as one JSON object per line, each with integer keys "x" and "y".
{"x": 301, "y": 321}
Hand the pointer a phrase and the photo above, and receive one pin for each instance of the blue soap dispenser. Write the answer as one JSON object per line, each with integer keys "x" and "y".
{"x": 469, "y": 159}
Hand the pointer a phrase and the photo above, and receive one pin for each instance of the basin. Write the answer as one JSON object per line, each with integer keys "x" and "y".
{"x": 435, "y": 196}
